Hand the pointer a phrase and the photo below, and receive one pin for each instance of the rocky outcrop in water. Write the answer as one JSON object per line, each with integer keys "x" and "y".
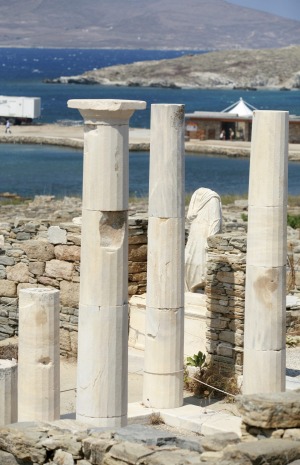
{"x": 267, "y": 68}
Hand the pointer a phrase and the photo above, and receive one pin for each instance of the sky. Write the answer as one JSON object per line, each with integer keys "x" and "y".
{"x": 286, "y": 8}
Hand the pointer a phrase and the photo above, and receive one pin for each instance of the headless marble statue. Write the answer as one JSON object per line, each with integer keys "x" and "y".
{"x": 205, "y": 216}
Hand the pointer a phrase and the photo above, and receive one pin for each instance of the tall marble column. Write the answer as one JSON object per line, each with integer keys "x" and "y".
{"x": 39, "y": 355}
{"x": 8, "y": 392}
{"x": 265, "y": 306}
{"x": 103, "y": 315}
{"x": 163, "y": 369}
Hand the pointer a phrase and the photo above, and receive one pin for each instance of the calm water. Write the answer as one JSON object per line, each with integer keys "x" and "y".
{"x": 22, "y": 72}
{"x": 30, "y": 170}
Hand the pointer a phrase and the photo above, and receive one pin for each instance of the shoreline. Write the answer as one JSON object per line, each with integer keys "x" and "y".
{"x": 139, "y": 140}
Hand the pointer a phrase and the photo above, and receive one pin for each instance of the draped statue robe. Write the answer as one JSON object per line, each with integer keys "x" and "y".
{"x": 205, "y": 216}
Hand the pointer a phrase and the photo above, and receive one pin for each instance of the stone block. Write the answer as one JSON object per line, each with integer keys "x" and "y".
{"x": 18, "y": 273}
{"x": 232, "y": 278}
{"x": 95, "y": 448}
{"x": 36, "y": 268}
{"x": 70, "y": 253}
{"x": 38, "y": 250}
{"x": 63, "y": 457}
{"x": 137, "y": 239}
{"x": 69, "y": 294}
{"x": 129, "y": 452}
{"x": 8, "y": 288}
{"x": 59, "y": 269}
{"x": 45, "y": 281}
{"x": 7, "y": 459}
{"x": 137, "y": 253}
{"x": 6, "y": 261}
{"x": 75, "y": 238}
{"x": 56, "y": 235}
{"x": 173, "y": 457}
{"x": 276, "y": 410}
{"x": 271, "y": 451}
{"x": 217, "y": 442}
{"x": 137, "y": 267}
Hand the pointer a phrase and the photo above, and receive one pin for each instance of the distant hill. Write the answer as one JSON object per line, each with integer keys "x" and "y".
{"x": 190, "y": 24}
{"x": 267, "y": 68}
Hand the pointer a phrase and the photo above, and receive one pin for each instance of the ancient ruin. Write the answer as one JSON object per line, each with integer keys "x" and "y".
{"x": 163, "y": 366}
{"x": 264, "y": 436}
{"x": 39, "y": 359}
{"x": 103, "y": 313}
{"x": 265, "y": 306}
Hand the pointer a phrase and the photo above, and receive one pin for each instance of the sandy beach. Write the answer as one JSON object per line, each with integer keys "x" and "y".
{"x": 139, "y": 140}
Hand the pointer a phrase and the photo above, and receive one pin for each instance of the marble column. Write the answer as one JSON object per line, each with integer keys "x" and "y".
{"x": 8, "y": 392}
{"x": 163, "y": 369}
{"x": 265, "y": 305}
{"x": 39, "y": 355}
{"x": 103, "y": 315}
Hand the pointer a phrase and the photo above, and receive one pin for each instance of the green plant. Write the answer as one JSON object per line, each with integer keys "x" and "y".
{"x": 293, "y": 221}
{"x": 197, "y": 360}
{"x": 244, "y": 216}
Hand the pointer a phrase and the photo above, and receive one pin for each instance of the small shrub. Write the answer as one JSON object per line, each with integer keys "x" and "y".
{"x": 156, "y": 419}
{"x": 8, "y": 352}
{"x": 293, "y": 221}
{"x": 244, "y": 216}
{"x": 197, "y": 360}
{"x": 212, "y": 377}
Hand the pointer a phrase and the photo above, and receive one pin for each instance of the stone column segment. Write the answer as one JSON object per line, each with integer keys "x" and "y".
{"x": 8, "y": 392}
{"x": 39, "y": 355}
{"x": 265, "y": 328}
{"x": 163, "y": 370}
{"x": 103, "y": 314}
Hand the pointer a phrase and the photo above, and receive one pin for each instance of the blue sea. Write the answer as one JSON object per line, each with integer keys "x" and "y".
{"x": 31, "y": 170}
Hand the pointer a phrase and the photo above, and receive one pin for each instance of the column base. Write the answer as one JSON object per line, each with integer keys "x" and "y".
{"x": 103, "y": 422}
{"x": 163, "y": 390}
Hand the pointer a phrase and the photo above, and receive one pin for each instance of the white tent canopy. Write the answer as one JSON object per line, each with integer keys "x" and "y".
{"x": 240, "y": 108}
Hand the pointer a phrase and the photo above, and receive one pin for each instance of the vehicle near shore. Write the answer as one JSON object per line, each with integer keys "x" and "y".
{"x": 19, "y": 110}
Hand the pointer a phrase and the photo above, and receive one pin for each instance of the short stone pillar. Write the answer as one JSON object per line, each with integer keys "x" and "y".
{"x": 39, "y": 355}
{"x": 103, "y": 315}
{"x": 265, "y": 309}
{"x": 163, "y": 369}
{"x": 8, "y": 392}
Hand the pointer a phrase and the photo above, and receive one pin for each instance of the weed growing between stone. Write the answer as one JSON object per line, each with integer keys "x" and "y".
{"x": 156, "y": 419}
{"x": 9, "y": 352}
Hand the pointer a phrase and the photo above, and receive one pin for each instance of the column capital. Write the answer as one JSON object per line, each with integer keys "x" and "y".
{"x": 103, "y": 109}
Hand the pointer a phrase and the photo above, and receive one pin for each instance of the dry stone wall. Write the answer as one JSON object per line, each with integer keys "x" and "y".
{"x": 225, "y": 290}
{"x": 37, "y": 254}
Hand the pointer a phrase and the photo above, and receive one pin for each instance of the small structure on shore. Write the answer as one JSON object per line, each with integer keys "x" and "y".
{"x": 232, "y": 123}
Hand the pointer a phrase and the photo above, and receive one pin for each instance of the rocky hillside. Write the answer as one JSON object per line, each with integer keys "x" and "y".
{"x": 188, "y": 24}
{"x": 267, "y": 68}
